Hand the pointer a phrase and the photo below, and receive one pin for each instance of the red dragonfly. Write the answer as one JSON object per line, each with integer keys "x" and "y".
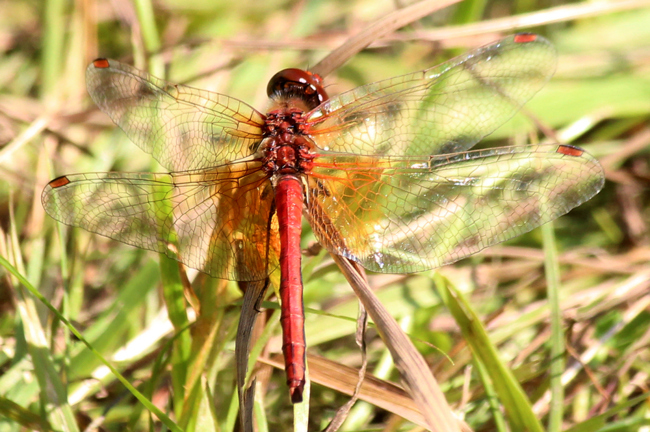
{"x": 382, "y": 172}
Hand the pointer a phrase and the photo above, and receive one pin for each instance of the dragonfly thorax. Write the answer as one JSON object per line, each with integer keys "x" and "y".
{"x": 286, "y": 149}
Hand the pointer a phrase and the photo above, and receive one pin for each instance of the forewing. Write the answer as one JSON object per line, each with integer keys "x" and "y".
{"x": 444, "y": 109}
{"x": 215, "y": 221}
{"x": 402, "y": 215}
{"x": 183, "y": 128}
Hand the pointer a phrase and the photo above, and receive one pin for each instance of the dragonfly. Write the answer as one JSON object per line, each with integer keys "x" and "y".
{"x": 383, "y": 173}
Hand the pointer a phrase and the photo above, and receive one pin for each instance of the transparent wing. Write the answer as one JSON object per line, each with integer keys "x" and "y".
{"x": 183, "y": 128}
{"x": 216, "y": 221}
{"x": 403, "y": 215}
{"x": 444, "y": 109}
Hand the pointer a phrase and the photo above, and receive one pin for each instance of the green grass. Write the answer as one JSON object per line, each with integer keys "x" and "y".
{"x": 509, "y": 347}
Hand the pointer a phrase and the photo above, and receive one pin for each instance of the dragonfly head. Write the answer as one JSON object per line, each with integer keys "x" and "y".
{"x": 297, "y": 83}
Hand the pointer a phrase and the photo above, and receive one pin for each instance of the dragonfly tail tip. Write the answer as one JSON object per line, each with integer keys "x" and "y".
{"x": 296, "y": 394}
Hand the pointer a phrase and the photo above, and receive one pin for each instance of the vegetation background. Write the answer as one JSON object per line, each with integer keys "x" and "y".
{"x": 138, "y": 317}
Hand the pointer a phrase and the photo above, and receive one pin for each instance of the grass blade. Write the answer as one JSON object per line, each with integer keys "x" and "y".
{"x": 511, "y": 395}
{"x": 146, "y": 402}
{"x": 552, "y": 271}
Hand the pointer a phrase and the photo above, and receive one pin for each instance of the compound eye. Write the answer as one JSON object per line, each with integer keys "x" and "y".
{"x": 291, "y": 80}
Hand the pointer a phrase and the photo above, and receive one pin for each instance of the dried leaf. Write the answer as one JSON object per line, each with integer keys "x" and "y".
{"x": 342, "y": 413}
{"x": 253, "y": 294}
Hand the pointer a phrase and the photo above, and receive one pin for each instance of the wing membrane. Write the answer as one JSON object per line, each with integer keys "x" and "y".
{"x": 183, "y": 128}
{"x": 444, "y": 109}
{"x": 215, "y": 221}
{"x": 403, "y": 215}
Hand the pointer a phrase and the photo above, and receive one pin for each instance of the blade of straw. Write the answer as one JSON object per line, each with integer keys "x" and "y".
{"x": 413, "y": 369}
{"x": 376, "y": 30}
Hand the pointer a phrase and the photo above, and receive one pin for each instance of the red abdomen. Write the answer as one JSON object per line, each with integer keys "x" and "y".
{"x": 289, "y": 202}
